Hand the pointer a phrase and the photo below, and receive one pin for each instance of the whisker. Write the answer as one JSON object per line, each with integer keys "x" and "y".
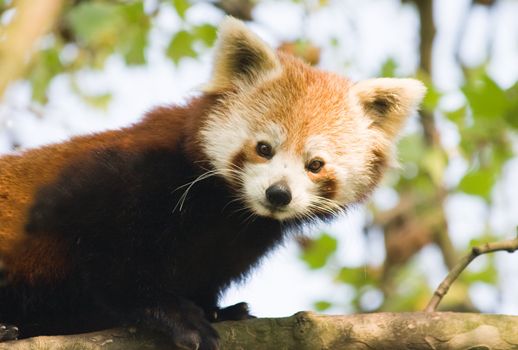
{"x": 183, "y": 197}
{"x": 238, "y": 198}
{"x": 233, "y": 173}
{"x": 324, "y": 205}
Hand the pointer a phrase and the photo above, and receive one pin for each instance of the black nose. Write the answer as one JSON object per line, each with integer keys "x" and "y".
{"x": 278, "y": 194}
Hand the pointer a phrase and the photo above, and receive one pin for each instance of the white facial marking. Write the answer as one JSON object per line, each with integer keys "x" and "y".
{"x": 282, "y": 167}
{"x": 223, "y": 138}
{"x": 320, "y": 147}
{"x": 272, "y": 133}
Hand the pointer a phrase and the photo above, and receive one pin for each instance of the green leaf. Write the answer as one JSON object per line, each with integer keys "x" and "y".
{"x": 104, "y": 28}
{"x": 487, "y": 275}
{"x": 132, "y": 45}
{"x": 388, "y": 69}
{"x": 433, "y": 96}
{"x": 46, "y": 66}
{"x": 358, "y": 276}
{"x": 411, "y": 148}
{"x": 95, "y": 23}
{"x": 99, "y": 101}
{"x": 511, "y": 115}
{"x": 4, "y": 5}
{"x": 181, "y": 7}
{"x": 322, "y": 305}
{"x": 334, "y": 42}
{"x": 478, "y": 182}
{"x": 319, "y": 251}
{"x": 434, "y": 161}
{"x": 457, "y": 116}
{"x": 181, "y": 46}
{"x": 133, "y": 37}
{"x": 486, "y": 98}
{"x": 206, "y": 33}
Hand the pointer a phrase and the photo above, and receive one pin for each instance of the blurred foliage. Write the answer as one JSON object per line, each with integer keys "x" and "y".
{"x": 317, "y": 253}
{"x": 91, "y": 31}
{"x": 485, "y": 122}
{"x": 103, "y": 28}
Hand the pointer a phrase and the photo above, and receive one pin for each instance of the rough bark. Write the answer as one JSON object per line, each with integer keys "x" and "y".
{"x": 306, "y": 330}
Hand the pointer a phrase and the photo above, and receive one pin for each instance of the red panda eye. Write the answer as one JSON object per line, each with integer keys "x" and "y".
{"x": 315, "y": 165}
{"x": 264, "y": 150}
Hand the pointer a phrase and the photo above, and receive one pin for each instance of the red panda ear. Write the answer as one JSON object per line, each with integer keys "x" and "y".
{"x": 389, "y": 101}
{"x": 241, "y": 57}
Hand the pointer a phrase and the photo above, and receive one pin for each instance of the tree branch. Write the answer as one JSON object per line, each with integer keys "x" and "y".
{"x": 509, "y": 246}
{"x": 306, "y": 331}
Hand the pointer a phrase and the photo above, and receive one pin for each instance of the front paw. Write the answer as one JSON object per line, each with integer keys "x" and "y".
{"x": 186, "y": 326}
{"x": 8, "y": 332}
{"x": 236, "y": 312}
{"x": 195, "y": 333}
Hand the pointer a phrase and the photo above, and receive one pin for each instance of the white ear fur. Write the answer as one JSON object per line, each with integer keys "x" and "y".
{"x": 389, "y": 101}
{"x": 241, "y": 57}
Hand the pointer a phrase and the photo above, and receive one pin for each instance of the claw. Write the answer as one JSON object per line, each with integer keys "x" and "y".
{"x": 8, "y": 332}
{"x": 236, "y": 312}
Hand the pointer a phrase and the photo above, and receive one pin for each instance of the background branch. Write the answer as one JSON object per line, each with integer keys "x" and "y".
{"x": 509, "y": 246}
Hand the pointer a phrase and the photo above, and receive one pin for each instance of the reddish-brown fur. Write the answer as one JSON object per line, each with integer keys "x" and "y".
{"x": 39, "y": 258}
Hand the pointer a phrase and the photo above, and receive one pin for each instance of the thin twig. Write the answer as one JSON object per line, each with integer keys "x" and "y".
{"x": 509, "y": 246}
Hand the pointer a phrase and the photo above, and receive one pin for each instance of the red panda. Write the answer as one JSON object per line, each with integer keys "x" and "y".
{"x": 149, "y": 224}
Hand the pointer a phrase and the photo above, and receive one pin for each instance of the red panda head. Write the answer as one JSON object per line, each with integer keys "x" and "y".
{"x": 295, "y": 141}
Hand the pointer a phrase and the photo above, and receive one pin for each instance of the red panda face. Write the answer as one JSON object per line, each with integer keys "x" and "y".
{"x": 294, "y": 141}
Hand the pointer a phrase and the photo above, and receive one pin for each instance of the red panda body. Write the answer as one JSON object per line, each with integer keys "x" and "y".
{"x": 149, "y": 224}
{"x": 104, "y": 238}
